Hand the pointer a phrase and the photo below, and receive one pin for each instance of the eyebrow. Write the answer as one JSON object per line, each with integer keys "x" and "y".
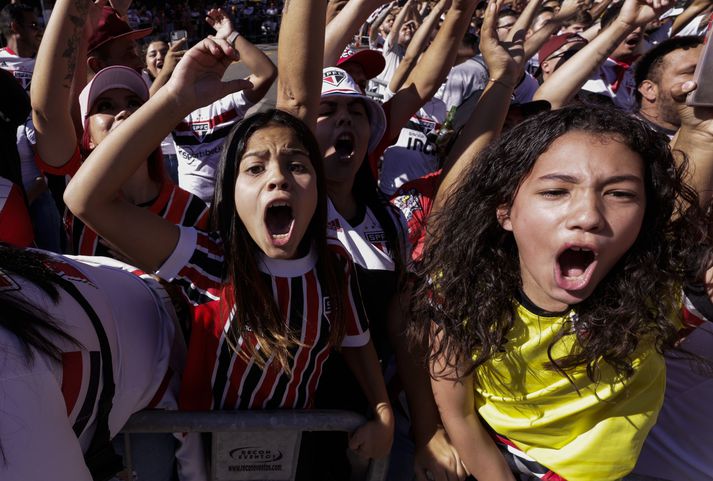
{"x": 570, "y": 179}
{"x": 283, "y": 150}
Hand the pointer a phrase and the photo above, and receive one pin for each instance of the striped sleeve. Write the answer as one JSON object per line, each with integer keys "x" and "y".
{"x": 195, "y": 265}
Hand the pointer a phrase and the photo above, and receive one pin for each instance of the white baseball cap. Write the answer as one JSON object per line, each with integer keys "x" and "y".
{"x": 336, "y": 82}
{"x": 114, "y": 77}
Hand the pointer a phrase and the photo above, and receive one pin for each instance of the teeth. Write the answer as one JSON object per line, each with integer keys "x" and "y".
{"x": 280, "y": 236}
{"x": 580, "y": 249}
{"x": 280, "y": 204}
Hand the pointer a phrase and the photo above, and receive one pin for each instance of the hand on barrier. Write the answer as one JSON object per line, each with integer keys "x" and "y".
{"x": 373, "y": 439}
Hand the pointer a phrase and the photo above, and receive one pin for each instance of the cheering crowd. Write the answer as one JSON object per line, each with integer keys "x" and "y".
{"x": 485, "y": 226}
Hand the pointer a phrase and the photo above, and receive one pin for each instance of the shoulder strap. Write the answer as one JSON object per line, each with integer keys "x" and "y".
{"x": 102, "y": 461}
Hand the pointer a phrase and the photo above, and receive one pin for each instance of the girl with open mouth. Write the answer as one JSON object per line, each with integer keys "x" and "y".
{"x": 272, "y": 297}
{"x": 551, "y": 282}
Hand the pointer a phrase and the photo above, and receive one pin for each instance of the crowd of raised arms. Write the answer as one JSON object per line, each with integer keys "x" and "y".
{"x": 483, "y": 226}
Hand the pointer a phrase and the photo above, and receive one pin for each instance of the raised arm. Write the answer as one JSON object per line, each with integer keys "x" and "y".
{"x": 60, "y": 59}
{"x": 419, "y": 41}
{"x": 173, "y": 56}
{"x": 340, "y": 30}
{"x": 565, "y": 82}
{"x": 524, "y": 20}
{"x": 93, "y": 193}
{"x": 374, "y": 27}
{"x": 263, "y": 71}
{"x": 692, "y": 11}
{"x": 505, "y": 63}
{"x": 299, "y": 59}
{"x": 393, "y": 36}
{"x": 431, "y": 71}
{"x": 599, "y": 8}
{"x": 568, "y": 10}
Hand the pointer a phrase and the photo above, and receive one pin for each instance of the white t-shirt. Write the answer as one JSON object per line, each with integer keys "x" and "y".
{"x": 698, "y": 26}
{"x": 414, "y": 153}
{"x": 366, "y": 243}
{"x": 49, "y": 408}
{"x": 393, "y": 54}
{"x": 463, "y": 80}
{"x": 199, "y": 142}
{"x": 20, "y": 67}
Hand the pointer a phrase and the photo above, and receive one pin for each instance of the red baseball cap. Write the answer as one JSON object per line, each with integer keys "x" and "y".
{"x": 111, "y": 27}
{"x": 371, "y": 61}
{"x": 557, "y": 42}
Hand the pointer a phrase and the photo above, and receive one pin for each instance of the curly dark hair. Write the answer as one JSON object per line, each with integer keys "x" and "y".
{"x": 470, "y": 269}
{"x": 257, "y": 311}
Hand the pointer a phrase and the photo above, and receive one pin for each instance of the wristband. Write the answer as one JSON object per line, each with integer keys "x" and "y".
{"x": 232, "y": 38}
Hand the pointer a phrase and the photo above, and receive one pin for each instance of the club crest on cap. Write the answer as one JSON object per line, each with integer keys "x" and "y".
{"x": 348, "y": 52}
{"x": 334, "y": 77}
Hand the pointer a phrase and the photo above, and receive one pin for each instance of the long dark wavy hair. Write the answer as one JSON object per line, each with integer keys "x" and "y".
{"x": 257, "y": 312}
{"x": 470, "y": 276}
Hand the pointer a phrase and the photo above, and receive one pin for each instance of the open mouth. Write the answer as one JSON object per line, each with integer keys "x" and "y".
{"x": 279, "y": 221}
{"x": 574, "y": 267}
{"x": 344, "y": 146}
{"x": 632, "y": 41}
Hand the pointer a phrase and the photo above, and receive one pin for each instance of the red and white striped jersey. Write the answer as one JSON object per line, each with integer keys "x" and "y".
{"x": 173, "y": 204}
{"x": 216, "y": 377}
{"x": 49, "y": 409}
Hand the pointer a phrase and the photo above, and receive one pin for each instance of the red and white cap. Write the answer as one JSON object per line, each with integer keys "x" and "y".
{"x": 336, "y": 82}
{"x": 371, "y": 61}
{"x": 114, "y": 77}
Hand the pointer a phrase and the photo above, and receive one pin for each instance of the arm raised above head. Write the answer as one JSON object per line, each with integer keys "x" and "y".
{"x": 433, "y": 67}
{"x": 340, "y": 30}
{"x": 58, "y": 74}
{"x": 505, "y": 61}
{"x": 300, "y": 52}
{"x": 93, "y": 193}
{"x": 565, "y": 82}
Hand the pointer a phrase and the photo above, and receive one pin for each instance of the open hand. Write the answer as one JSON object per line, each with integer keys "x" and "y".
{"x": 220, "y": 21}
{"x": 505, "y": 59}
{"x": 196, "y": 81}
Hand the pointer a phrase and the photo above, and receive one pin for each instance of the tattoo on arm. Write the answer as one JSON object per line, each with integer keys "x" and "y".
{"x": 70, "y": 53}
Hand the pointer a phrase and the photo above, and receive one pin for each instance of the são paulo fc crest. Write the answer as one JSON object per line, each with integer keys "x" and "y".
{"x": 333, "y": 77}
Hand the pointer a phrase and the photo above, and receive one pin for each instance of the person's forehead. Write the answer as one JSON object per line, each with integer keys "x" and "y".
{"x": 681, "y": 58}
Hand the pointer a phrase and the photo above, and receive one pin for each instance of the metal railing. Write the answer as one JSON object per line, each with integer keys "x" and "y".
{"x": 278, "y": 421}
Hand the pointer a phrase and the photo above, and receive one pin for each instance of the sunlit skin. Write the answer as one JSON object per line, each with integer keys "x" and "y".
{"x": 627, "y": 49}
{"x": 406, "y": 33}
{"x": 505, "y": 23}
{"x": 584, "y": 192}
{"x": 342, "y": 117}
{"x": 109, "y": 110}
{"x": 276, "y": 169}
{"x": 155, "y": 56}
{"x": 676, "y": 67}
